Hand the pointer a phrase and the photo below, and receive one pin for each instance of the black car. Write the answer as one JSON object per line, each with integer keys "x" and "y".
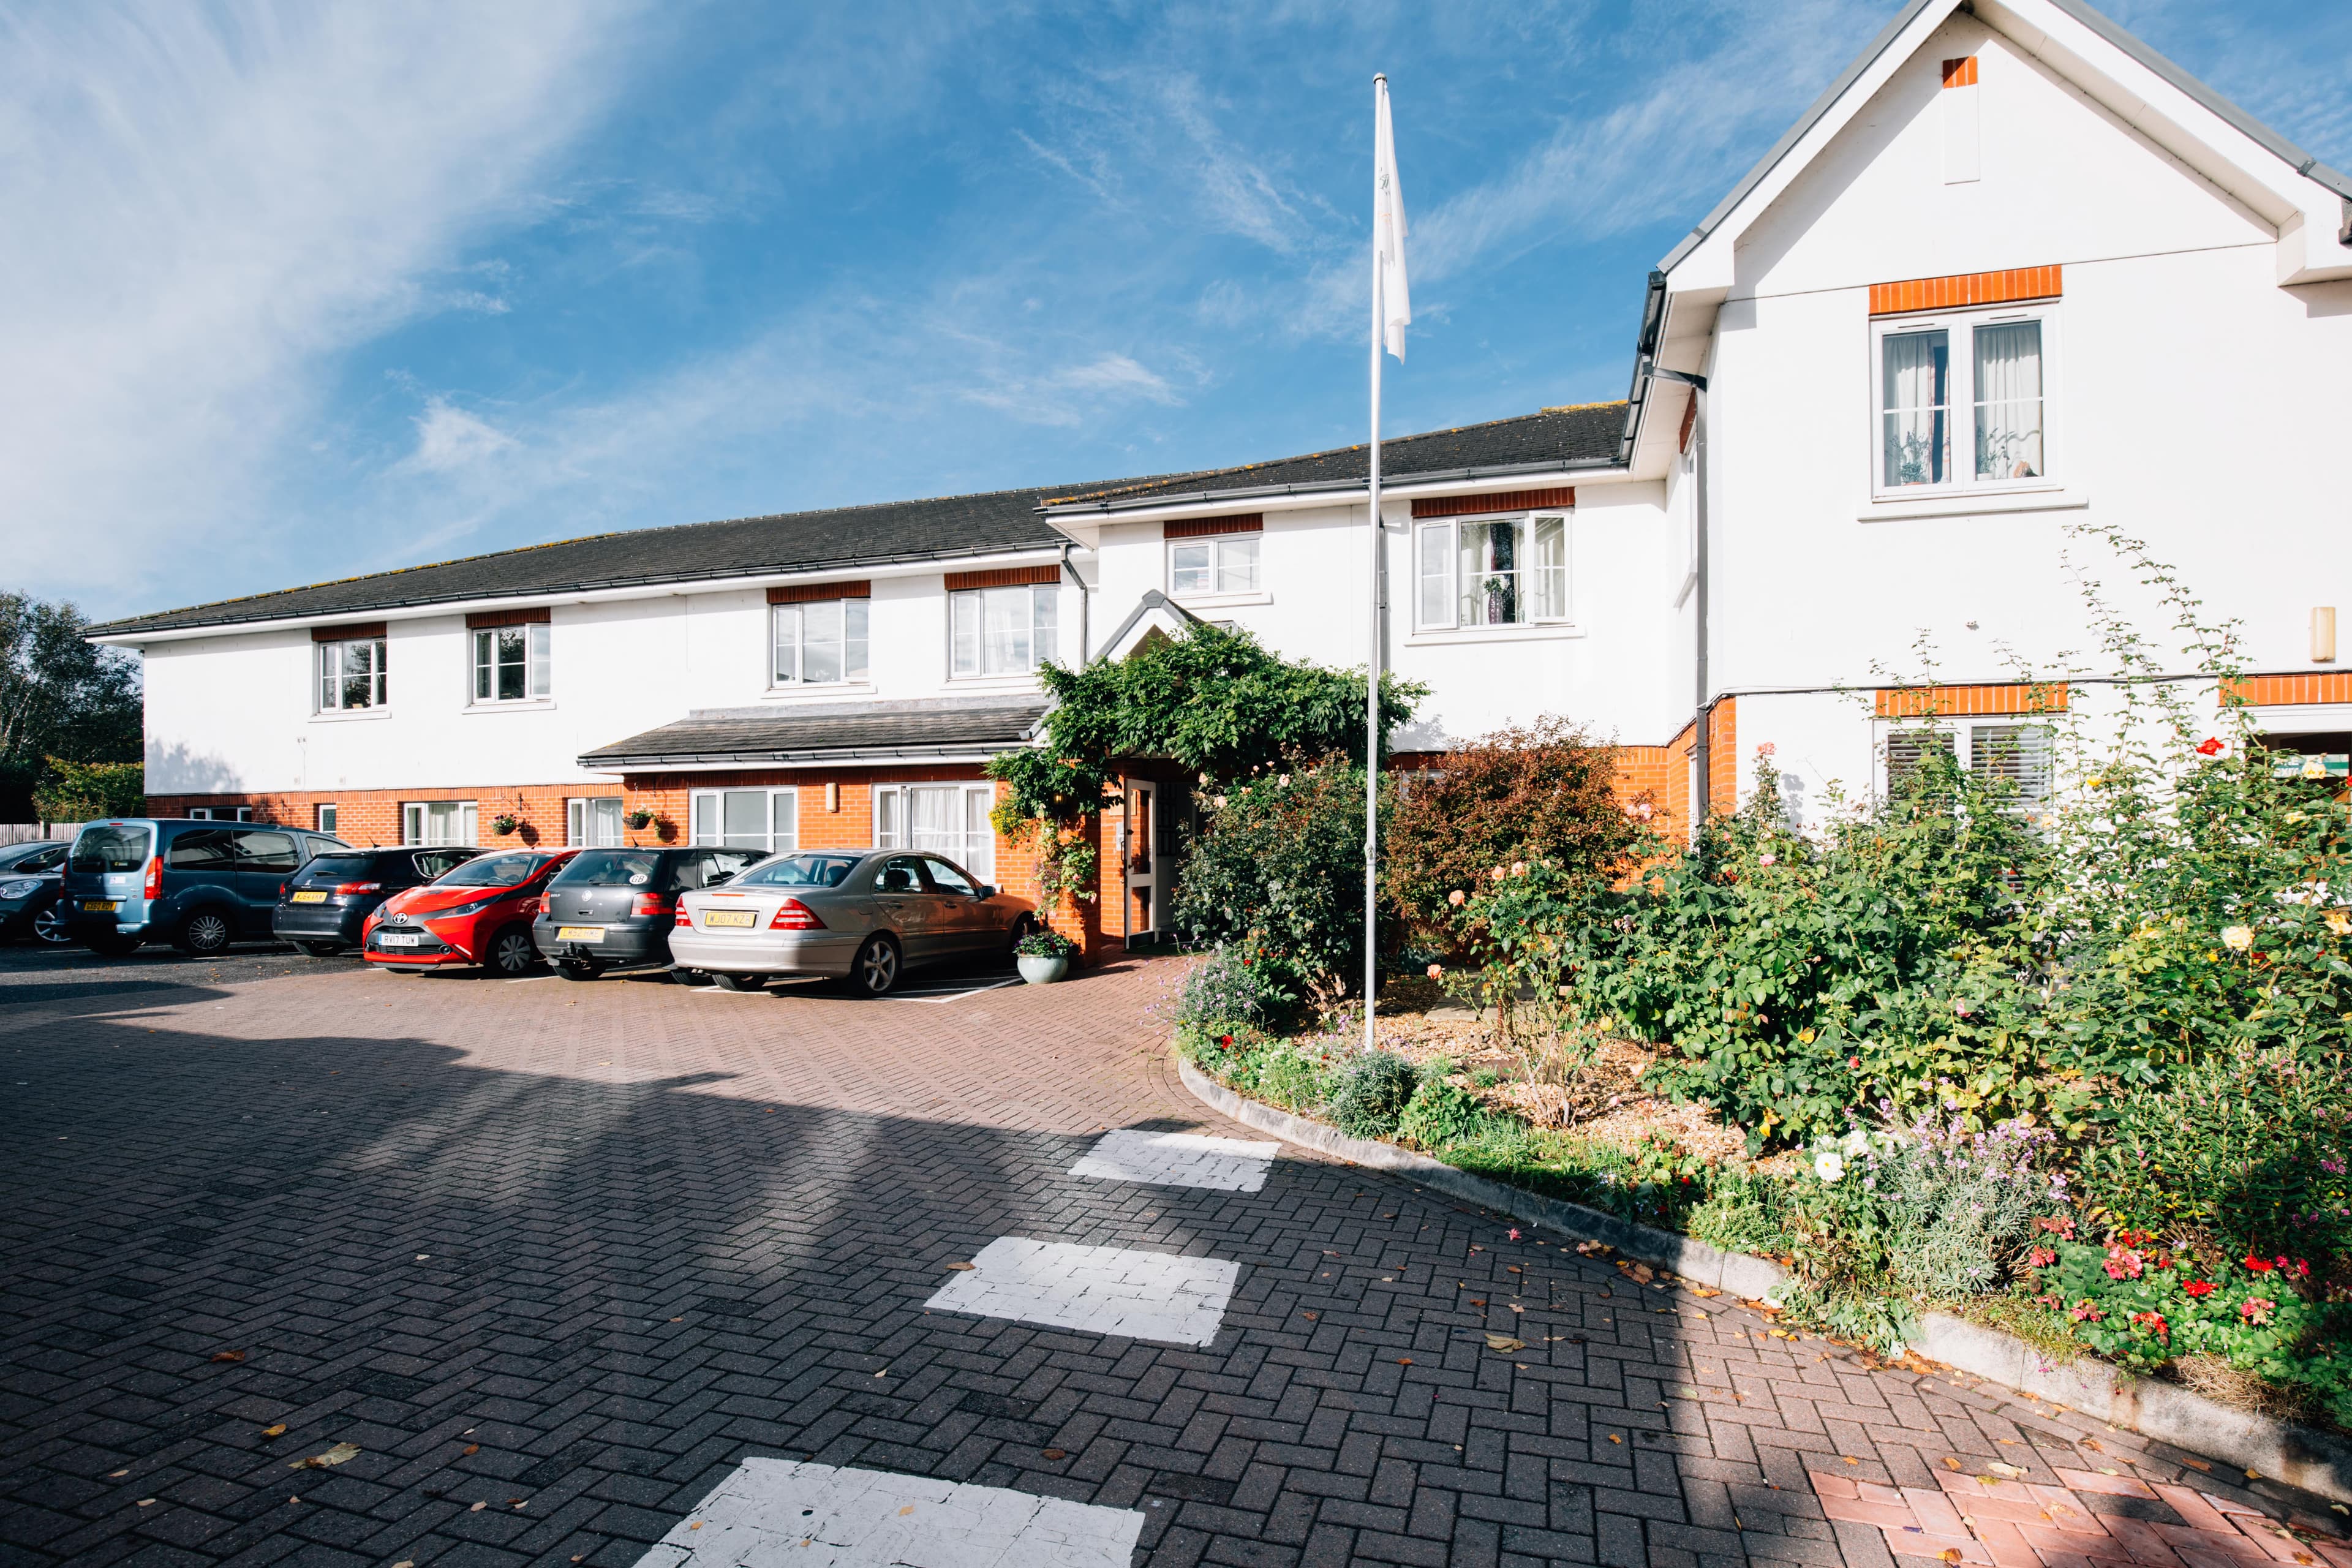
{"x": 615, "y": 907}
{"x": 195, "y": 883}
{"x": 326, "y": 904}
{"x": 32, "y": 877}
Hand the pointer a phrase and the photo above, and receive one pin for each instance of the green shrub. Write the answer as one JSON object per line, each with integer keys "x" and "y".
{"x": 1440, "y": 1113}
{"x": 1371, "y": 1094}
{"x": 78, "y": 791}
{"x": 1277, "y": 869}
{"x": 1236, "y": 984}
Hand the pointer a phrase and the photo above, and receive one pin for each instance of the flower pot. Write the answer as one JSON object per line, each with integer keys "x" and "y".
{"x": 1043, "y": 971}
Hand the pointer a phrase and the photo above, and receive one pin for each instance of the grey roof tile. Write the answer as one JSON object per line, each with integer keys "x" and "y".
{"x": 827, "y": 731}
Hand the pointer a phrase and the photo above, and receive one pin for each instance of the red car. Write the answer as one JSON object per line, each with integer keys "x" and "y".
{"x": 480, "y": 912}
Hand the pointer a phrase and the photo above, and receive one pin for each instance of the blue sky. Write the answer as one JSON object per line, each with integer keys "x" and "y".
{"x": 292, "y": 295}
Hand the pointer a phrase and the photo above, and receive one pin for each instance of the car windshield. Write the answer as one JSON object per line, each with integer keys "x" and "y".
{"x": 341, "y": 868}
{"x": 800, "y": 871}
{"x": 493, "y": 871}
{"x": 112, "y": 847}
{"x": 612, "y": 868}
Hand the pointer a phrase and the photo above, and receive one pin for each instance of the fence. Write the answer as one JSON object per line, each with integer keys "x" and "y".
{"x": 20, "y": 832}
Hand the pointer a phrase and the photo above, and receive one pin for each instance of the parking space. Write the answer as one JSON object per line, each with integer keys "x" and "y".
{"x": 310, "y": 1265}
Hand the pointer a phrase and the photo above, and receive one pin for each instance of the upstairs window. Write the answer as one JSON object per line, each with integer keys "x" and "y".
{"x": 511, "y": 663}
{"x": 819, "y": 643}
{"x": 1491, "y": 571}
{"x": 1004, "y": 631}
{"x": 1197, "y": 567}
{"x": 352, "y": 674}
{"x": 1964, "y": 400}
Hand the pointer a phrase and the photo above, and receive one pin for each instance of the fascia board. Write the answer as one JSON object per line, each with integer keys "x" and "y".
{"x": 673, "y": 588}
{"x": 1351, "y": 492}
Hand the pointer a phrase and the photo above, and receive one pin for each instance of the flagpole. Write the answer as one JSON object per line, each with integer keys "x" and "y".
{"x": 1372, "y": 648}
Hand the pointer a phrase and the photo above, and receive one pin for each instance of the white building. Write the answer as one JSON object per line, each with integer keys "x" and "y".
{"x": 2013, "y": 276}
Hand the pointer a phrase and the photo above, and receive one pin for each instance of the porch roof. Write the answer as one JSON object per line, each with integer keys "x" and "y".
{"x": 870, "y": 732}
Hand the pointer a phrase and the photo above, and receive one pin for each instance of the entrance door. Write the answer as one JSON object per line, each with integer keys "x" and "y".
{"x": 1139, "y": 848}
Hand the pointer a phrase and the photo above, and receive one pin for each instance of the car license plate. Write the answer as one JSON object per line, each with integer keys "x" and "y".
{"x": 309, "y": 897}
{"x": 399, "y": 939}
{"x": 102, "y": 905}
{"x": 725, "y": 916}
{"x": 578, "y": 933}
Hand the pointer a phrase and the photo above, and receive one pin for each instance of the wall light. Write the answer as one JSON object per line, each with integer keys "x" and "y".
{"x": 2323, "y": 634}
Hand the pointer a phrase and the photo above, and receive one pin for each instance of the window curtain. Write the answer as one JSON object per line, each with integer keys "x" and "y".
{"x": 1489, "y": 562}
{"x": 2009, "y": 401}
{"x": 1918, "y": 407}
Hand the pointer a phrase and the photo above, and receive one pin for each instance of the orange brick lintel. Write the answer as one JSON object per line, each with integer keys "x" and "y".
{"x": 1964, "y": 289}
{"x": 2284, "y": 691}
{"x": 1969, "y": 701}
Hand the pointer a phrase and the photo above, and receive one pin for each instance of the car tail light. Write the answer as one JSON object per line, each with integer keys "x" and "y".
{"x": 684, "y": 918}
{"x": 154, "y": 888}
{"x": 282, "y": 886}
{"x": 359, "y": 887}
{"x": 795, "y": 915}
{"x": 654, "y": 904}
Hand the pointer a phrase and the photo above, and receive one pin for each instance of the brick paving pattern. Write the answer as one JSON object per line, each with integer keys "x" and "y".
{"x": 532, "y": 1268}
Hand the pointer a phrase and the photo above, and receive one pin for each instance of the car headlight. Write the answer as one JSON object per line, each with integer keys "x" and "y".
{"x": 460, "y": 911}
{"x": 24, "y": 889}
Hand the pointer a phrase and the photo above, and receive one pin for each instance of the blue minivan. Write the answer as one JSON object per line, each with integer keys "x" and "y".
{"x": 197, "y": 884}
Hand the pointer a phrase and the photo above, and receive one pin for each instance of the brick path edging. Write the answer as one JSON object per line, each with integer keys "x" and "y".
{"x": 2296, "y": 1455}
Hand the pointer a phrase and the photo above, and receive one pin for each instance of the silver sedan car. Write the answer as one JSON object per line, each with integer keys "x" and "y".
{"x": 867, "y": 916}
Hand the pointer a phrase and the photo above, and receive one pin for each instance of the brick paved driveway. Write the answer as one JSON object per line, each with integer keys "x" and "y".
{"x": 556, "y": 1258}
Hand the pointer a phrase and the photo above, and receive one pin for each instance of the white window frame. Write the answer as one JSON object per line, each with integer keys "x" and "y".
{"x": 1960, "y": 328}
{"x": 581, "y": 813}
{"x": 322, "y": 818}
{"x": 414, "y": 814}
{"x": 1449, "y": 529}
{"x": 220, "y": 813}
{"x": 858, "y": 670}
{"x": 327, "y": 690}
{"x": 974, "y": 839}
{"x": 967, "y": 623}
{"x": 537, "y": 664}
{"x": 1215, "y": 548}
{"x": 706, "y": 818}
{"x": 1962, "y": 729}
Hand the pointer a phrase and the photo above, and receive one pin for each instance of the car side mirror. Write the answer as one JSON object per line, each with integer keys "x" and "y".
{"x": 986, "y": 892}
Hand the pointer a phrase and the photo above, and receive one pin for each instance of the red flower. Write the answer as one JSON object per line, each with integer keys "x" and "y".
{"x": 2199, "y": 1287}
{"x": 2258, "y": 1265}
{"x": 2210, "y": 746}
{"x": 1227, "y": 1041}
{"x": 2155, "y": 1322}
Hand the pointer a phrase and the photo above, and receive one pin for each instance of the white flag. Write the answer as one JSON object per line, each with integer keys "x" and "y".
{"x": 1389, "y": 230}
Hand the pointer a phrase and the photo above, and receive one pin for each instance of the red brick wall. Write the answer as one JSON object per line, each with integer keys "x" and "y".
{"x": 2320, "y": 685}
{"x": 1966, "y": 701}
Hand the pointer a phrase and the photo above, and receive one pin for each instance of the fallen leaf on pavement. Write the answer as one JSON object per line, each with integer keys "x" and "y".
{"x": 341, "y": 1454}
{"x": 2014, "y": 1473}
{"x": 1950, "y": 1554}
{"x": 276, "y": 1431}
{"x": 480, "y": 1506}
{"x": 472, "y": 1448}
{"x": 1950, "y": 1463}
{"x": 1642, "y": 1272}
{"x": 2093, "y": 1443}
{"x": 1517, "y": 1308}
{"x": 961, "y": 1266}
{"x": 146, "y": 1502}
{"x": 1311, "y": 1317}
{"x": 1056, "y": 1454}
{"x": 228, "y": 1355}
{"x": 1404, "y": 1361}
{"x": 1614, "y": 1439}
{"x": 1505, "y": 1343}
{"x": 116, "y": 1475}
{"x": 1703, "y": 1291}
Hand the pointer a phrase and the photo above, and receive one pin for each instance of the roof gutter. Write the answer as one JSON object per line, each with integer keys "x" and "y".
{"x": 1328, "y": 489}
{"x": 823, "y": 756}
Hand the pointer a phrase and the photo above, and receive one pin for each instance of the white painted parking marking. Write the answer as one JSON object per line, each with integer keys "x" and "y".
{"x": 1102, "y": 1289}
{"x": 1179, "y": 1160}
{"x": 782, "y": 1511}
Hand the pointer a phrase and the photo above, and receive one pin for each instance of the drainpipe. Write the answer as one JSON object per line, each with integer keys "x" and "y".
{"x": 1702, "y": 709}
{"x": 1086, "y": 642}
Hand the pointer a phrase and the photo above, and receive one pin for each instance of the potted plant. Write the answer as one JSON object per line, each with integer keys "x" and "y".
{"x": 505, "y": 823}
{"x": 639, "y": 819}
{"x": 1045, "y": 957}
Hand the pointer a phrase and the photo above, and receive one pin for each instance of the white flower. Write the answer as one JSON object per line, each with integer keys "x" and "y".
{"x": 2238, "y": 938}
{"x": 1855, "y": 1143}
{"x": 1768, "y": 858}
{"x": 1828, "y": 1165}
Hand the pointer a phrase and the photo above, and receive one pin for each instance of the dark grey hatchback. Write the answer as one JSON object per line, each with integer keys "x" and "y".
{"x": 614, "y": 908}
{"x": 325, "y": 907}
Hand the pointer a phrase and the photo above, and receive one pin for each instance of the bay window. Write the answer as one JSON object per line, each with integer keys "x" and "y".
{"x": 511, "y": 663}
{"x": 820, "y": 643}
{"x": 1963, "y": 400}
{"x": 1004, "y": 631}
{"x": 1491, "y": 571}
{"x": 946, "y": 819}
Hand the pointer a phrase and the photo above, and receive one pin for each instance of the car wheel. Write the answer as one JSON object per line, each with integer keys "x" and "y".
{"x": 739, "y": 981}
{"x": 50, "y": 927}
{"x": 320, "y": 949}
{"x": 205, "y": 933}
{"x": 874, "y": 970}
{"x": 512, "y": 954}
{"x": 578, "y": 969}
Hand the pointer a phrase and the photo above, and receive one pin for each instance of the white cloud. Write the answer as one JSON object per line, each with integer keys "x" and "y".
{"x": 448, "y": 438}
{"x": 204, "y": 206}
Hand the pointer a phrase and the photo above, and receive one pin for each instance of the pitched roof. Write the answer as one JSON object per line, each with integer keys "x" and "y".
{"x": 1585, "y": 435}
{"x": 827, "y": 731}
{"x": 847, "y": 538}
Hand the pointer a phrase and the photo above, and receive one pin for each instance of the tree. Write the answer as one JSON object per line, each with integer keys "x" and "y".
{"x": 60, "y": 696}
{"x": 1212, "y": 700}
